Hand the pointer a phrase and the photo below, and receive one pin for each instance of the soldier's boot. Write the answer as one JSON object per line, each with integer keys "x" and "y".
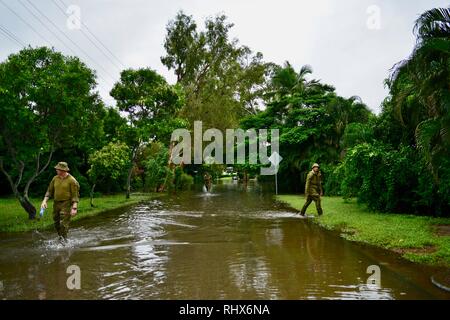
{"x": 62, "y": 234}
{"x": 62, "y": 240}
{"x": 319, "y": 210}
{"x": 64, "y": 229}
{"x": 318, "y": 203}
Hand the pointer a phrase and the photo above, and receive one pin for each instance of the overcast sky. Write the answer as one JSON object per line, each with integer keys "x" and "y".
{"x": 350, "y": 44}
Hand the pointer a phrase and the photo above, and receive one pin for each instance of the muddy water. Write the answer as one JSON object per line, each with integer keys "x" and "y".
{"x": 233, "y": 243}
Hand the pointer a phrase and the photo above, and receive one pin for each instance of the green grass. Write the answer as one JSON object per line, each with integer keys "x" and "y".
{"x": 410, "y": 235}
{"x": 14, "y": 219}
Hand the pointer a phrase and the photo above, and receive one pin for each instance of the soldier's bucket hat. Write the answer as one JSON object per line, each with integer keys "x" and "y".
{"x": 62, "y": 166}
{"x": 315, "y": 165}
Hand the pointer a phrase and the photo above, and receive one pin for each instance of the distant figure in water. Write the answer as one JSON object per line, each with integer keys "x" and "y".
{"x": 208, "y": 181}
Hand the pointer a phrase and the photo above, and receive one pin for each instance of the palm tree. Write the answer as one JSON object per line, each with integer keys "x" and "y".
{"x": 420, "y": 86}
{"x": 287, "y": 81}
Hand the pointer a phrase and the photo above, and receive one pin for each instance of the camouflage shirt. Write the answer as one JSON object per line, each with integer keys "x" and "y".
{"x": 63, "y": 189}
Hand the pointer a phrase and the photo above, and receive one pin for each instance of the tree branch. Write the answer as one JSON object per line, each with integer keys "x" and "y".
{"x": 8, "y": 177}
{"x": 38, "y": 172}
{"x": 48, "y": 161}
{"x": 19, "y": 178}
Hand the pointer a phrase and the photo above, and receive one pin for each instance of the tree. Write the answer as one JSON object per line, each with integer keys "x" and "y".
{"x": 420, "y": 88}
{"x": 151, "y": 105}
{"x": 219, "y": 76}
{"x": 47, "y": 101}
{"x": 112, "y": 123}
{"x": 179, "y": 44}
{"x": 311, "y": 119}
{"x": 108, "y": 164}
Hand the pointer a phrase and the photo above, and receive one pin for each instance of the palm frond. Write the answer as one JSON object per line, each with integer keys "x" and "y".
{"x": 426, "y": 132}
{"x": 305, "y": 70}
{"x": 433, "y": 23}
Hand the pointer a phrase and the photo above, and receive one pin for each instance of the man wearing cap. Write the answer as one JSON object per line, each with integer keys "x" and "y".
{"x": 313, "y": 189}
{"x": 64, "y": 189}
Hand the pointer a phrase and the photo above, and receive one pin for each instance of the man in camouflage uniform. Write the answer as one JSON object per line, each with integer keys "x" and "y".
{"x": 64, "y": 189}
{"x": 313, "y": 189}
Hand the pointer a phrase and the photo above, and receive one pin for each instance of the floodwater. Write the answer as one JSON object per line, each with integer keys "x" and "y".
{"x": 232, "y": 243}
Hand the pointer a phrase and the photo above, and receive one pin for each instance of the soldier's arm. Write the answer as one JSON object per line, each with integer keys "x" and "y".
{"x": 74, "y": 193}
{"x": 50, "y": 190}
{"x": 308, "y": 180}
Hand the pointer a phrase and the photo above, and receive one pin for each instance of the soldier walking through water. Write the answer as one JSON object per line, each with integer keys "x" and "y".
{"x": 64, "y": 189}
{"x": 207, "y": 178}
{"x": 313, "y": 189}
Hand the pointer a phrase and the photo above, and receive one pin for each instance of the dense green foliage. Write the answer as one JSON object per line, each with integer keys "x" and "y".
{"x": 311, "y": 119}
{"x": 398, "y": 161}
{"x": 47, "y": 103}
{"x": 151, "y": 105}
{"x": 108, "y": 165}
{"x": 404, "y": 164}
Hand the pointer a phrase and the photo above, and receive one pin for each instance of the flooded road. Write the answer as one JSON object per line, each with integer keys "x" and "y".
{"x": 233, "y": 243}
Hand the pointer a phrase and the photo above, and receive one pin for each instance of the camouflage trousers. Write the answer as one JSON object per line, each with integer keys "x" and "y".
{"x": 309, "y": 199}
{"x": 61, "y": 217}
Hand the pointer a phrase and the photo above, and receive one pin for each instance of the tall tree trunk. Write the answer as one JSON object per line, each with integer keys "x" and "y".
{"x": 28, "y": 206}
{"x": 170, "y": 166}
{"x": 23, "y": 198}
{"x": 130, "y": 172}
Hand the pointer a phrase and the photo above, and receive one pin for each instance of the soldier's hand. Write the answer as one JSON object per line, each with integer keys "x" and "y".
{"x": 321, "y": 194}
{"x": 44, "y": 204}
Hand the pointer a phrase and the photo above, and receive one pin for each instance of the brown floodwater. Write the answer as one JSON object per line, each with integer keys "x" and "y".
{"x": 233, "y": 243}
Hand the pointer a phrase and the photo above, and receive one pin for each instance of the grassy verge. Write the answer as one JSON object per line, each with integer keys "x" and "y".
{"x": 412, "y": 236}
{"x": 14, "y": 219}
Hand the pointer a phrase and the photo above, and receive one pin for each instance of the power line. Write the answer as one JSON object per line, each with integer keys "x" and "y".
{"x": 82, "y": 31}
{"x": 99, "y": 41}
{"x": 54, "y": 34}
{"x": 46, "y": 27}
{"x": 7, "y": 36}
{"x": 26, "y": 22}
{"x": 73, "y": 42}
{"x": 10, "y": 35}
